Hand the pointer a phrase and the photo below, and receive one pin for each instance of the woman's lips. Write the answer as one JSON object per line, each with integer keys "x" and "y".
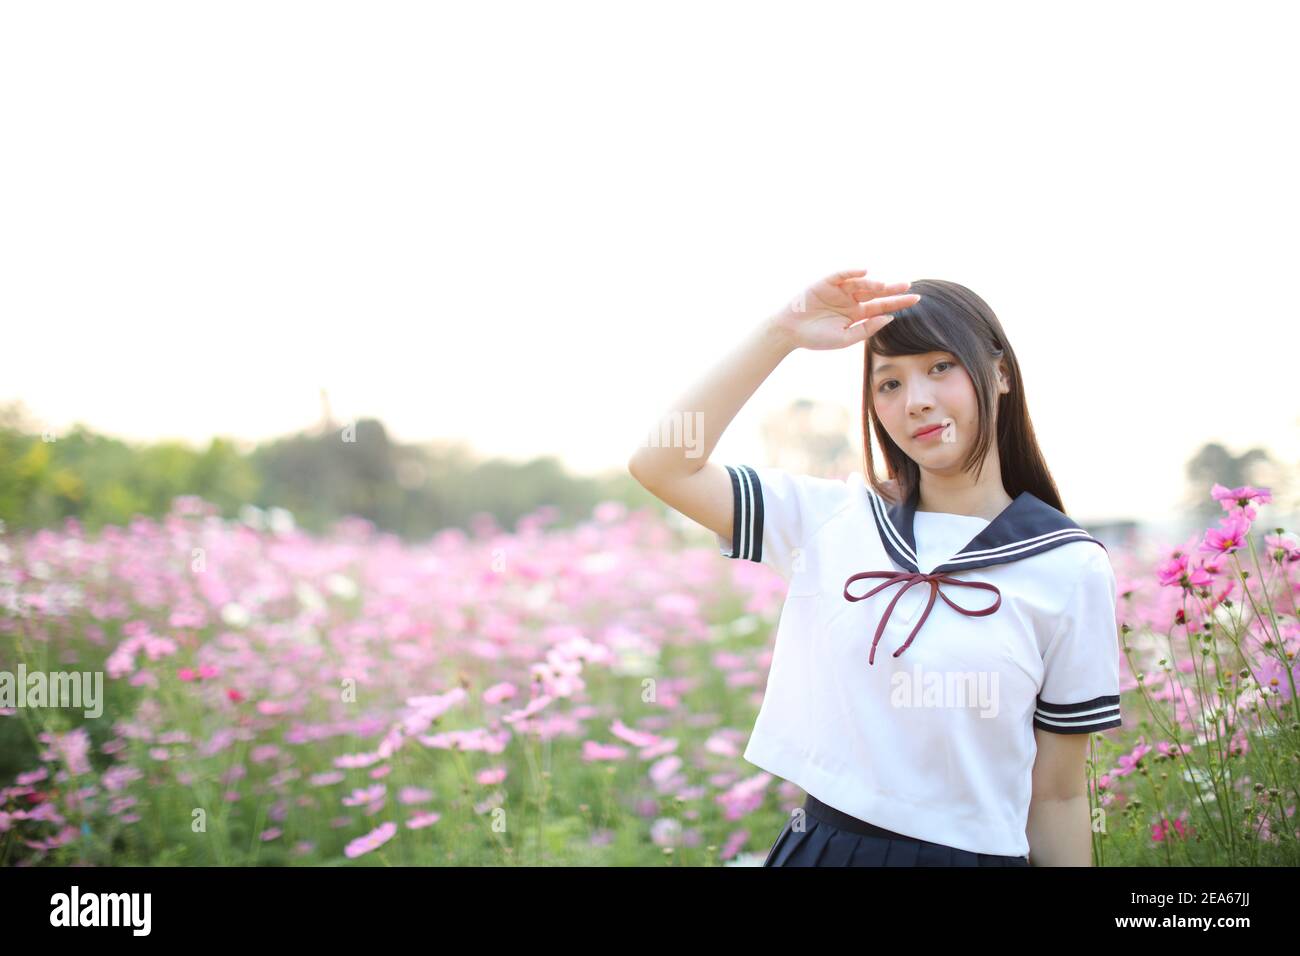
{"x": 930, "y": 433}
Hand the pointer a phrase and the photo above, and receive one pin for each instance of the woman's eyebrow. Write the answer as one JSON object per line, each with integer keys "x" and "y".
{"x": 889, "y": 365}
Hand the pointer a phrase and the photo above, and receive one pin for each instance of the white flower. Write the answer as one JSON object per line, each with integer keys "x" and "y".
{"x": 538, "y": 596}
{"x": 235, "y": 615}
{"x": 308, "y": 596}
{"x": 341, "y": 586}
{"x": 599, "y": 562}
{"x": 252, "y": 516}
{"x": 280, "y": 520}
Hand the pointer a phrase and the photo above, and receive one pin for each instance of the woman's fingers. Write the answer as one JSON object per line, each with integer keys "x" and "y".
{"x": 894, "y": 303}
{"x": 861, "y": 331}
{"x": 864, "y": 289}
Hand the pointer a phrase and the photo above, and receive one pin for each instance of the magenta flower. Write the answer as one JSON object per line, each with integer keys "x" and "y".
{"x": 421, "y": 820}
{"x": 1240, "y": 500}
{"x": 666, "y": 832}
{"x": 1174, "y": 573}
{"x": 637, "y": 738}
{"x": 499, "y": 692}
{"x": 733, "y": 845}
{"x": 410, "y": 795}
{"x": 1284, "y": 548}
{"x": 1128, "y": 762}
{"x": 1228, "y": 537}
{"x": 1166, "y": 828}
{"x": 367, "y": 795}
{"x": 591, "y": 750}
{"x": 662, "y": 770}
{"x": 371, "y": 841}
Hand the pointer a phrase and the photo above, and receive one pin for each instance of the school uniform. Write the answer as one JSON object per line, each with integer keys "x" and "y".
{"x": 915, "y": 655}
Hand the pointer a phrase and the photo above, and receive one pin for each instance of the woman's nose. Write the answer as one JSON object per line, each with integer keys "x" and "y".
{"x": 919, "y": 404}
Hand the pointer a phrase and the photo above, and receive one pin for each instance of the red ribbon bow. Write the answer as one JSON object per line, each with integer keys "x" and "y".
{"x": 911, "y": 578}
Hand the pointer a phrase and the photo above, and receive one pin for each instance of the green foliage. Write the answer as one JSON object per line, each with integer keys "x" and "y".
{"x": 319, "y": 476}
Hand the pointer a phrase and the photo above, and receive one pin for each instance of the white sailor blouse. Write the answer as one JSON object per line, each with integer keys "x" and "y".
{"x": 908, "y": 675}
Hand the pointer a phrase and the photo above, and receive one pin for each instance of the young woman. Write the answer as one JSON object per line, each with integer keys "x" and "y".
{"x": 946, "y": 732}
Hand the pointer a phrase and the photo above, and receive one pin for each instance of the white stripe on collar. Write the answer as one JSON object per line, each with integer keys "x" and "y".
{"x": 1026, "y": 527}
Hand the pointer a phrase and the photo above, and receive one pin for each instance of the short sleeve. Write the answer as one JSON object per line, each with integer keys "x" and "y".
{"x": 1080, "y": 692}
{"x": 776, "y": 512}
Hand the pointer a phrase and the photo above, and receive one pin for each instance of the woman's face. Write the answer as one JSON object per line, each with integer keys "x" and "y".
{"x": 913, "y": 392}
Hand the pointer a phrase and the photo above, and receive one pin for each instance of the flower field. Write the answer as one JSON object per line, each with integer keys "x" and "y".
{"x": 543, "y": 696}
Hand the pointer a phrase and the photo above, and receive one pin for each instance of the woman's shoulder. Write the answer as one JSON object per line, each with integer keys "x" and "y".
{"x": 1073, "y": 562}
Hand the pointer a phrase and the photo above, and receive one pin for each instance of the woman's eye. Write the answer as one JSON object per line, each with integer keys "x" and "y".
{"x": 884, "y": 388}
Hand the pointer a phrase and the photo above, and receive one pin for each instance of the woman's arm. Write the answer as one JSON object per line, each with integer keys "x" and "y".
{"x": 682, "y": 441}
{"x": 1059, "y": 829}
{"x": 672, "y": 461}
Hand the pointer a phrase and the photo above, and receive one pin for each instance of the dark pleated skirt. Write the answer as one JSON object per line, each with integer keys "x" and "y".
{"x": 832, "y": 838}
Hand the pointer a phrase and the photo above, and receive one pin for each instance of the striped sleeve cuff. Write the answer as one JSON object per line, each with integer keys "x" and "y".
{"x": 1086, "y": 717}
{"x": 746, "y": 514}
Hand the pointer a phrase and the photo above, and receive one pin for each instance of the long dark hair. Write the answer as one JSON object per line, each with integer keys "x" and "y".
{"x": 952, "y": 318}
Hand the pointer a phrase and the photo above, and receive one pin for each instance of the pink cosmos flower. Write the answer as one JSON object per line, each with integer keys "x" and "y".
{"x": 1128, "y": 762}
{"x": 476, "y": 739}
{"x": 665, "y": 745}
{"x": 1228, "y": 537}
{"x": 637, "y": 738}
{"x": 744, "y": 796}
{"x": 666, "y": 832}
{"x": 536, "y": 704}
{"x": 365, "y": 795}
{"x": 1283, "y": 548}
{"x": 1178, "y": 827}
{"x": 591, "y": 750}
{"x": 733, "y": 845}
{"x": 1175, "y": 573}
{"x": 499, "y": 692}
{"x": 371, "y": 841}
{"x": 1241, "y": 499}
{"x": 663, "y": 769}
{"x": 264, "y": 752}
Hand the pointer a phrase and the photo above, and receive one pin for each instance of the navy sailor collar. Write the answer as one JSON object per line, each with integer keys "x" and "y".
{"x": 1026, "y": 527}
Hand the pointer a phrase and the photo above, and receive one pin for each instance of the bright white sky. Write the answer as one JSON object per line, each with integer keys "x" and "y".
{"x": 529, "y": 226}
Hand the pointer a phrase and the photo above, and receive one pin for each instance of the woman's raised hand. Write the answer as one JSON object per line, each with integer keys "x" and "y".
{"x": 842, "y": 309}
